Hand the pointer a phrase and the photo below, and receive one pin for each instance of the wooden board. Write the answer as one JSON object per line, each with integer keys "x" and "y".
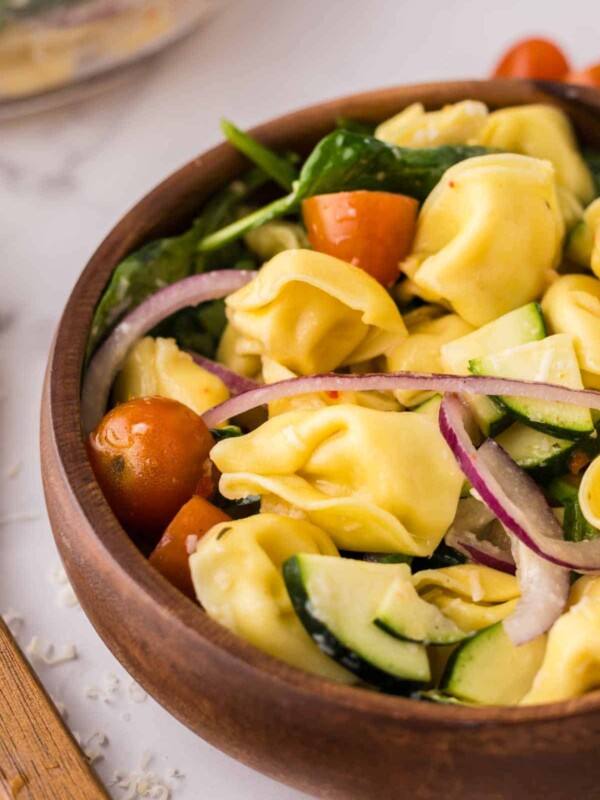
{"x": 39, "y": 758}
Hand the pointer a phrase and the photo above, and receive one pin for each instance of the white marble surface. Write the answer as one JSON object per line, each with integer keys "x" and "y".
{"x": 65, "y": 179}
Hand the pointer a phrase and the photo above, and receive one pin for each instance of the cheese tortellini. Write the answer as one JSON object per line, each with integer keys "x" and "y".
{"x": 236, "y": 571}
{"x": 473, "y": 596}
{"x": 420, "y": 351}
{"x": 571, "y": 665}
{"x": 366, "y": 477}
{"x": 157, "y": 367}
{"x": 572, "y": 305}
{"x": 313, "y": 313}
{"x": 541, "y": 131}
{"x": 458, "y": 123}
{"x": 488, "y": 236}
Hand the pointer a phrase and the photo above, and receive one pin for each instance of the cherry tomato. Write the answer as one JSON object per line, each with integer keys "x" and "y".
{"x": 171, "y": 555}
{"x": 373, "y": 230}
{"x": 533, "y": 58}
{"x": 149, "y": 457}
{"x": 585, "y": 77}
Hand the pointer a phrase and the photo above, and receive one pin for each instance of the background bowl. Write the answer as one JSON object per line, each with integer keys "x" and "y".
{"x": 329, "y": 740}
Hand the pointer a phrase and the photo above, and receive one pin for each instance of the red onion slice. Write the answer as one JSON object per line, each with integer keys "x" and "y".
{"x": 411, "y": 381}
{"x": 481, "y": 551}
{"x": 234, "y": 382}
{"x": 521, "y": 507}
{"x": 109, "y": 358}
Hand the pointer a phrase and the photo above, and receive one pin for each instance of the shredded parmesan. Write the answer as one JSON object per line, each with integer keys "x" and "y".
{"x": 143, "y": 783}
{"x": 14, "y": 622}
{"x": 48, "y": 654}
{"x": 191, "y": 543}
{"x": 136, "y": 693}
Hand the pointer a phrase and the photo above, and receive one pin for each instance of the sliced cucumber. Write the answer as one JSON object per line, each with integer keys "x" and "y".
{"x": 575, "y": 525}
{"x": 539, "y": 453}
{"x": 490, "y": 670}
{"x": 525, "y": 324}
{"x": 337, "y": 600}
{"x": 404, "y": 614}
{"x": 430, "y": 408}
{"x": 551, "y": 360}
{"x": 564, "y": 489}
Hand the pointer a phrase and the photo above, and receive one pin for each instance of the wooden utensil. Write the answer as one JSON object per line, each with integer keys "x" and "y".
{"x": 330, "y": 740}
{"x": 39, "y": 758}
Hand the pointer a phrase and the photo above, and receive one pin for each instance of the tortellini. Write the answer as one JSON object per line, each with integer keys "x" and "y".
{"x": 157, "y": 367}
{"x": 459, "y": 123}
{"x": 274, "y": 237}
{"x": 541, "y": 131}
{"x": 473, "y": 596}
{"x": 488, "y": 236}
{"x": 366, "y": 477}
{"x": 571, "y": 665}
{"x": 313, "y": 313}
{"x": 572, "y": 305}
{"x": 420, "y": 351}
{"x": 583, "y": 245}
{"x": 236, "y": 571}
{"x": 233, "y": 352}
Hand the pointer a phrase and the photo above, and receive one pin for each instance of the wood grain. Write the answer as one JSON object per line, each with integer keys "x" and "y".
{"x": 39, "y": 759}
{"x": 332, "y": 741}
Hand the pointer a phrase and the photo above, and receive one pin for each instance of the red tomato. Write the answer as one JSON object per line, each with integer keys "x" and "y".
{"x": 149, "y": 457}
{"x": 373, "y": 230}
{"x": 533, "y": 58}
{"x": 585, "y": 77}
{"x": 171, "y": 555}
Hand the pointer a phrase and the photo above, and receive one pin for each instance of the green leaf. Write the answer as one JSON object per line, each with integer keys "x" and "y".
{"x": 164, "y": 261}
{"x": 347, "y": 161}
{"x": 363, "y": 126}
{"x": 280, "y": 170}
{"x": 196, "y": 328}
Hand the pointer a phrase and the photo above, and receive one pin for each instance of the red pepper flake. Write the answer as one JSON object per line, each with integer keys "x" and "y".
{"x": 334, "y": 395}
{"x": 452, "y": 184}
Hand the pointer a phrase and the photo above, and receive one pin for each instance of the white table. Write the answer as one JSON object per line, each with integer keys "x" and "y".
{"x": 67, "y": 176}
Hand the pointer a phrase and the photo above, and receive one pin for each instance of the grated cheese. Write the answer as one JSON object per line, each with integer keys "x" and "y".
{"x": 48, "y": 653}
{"x": 136, "y": 693}
{"x": 143, "y": 783}
{"x": 14, "y": 622}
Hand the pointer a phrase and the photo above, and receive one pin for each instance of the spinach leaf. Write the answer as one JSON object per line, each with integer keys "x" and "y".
{"x": 347, "y": 161}
{"x": 196, "y": 328}
{"x": 279, "y": 169}
{"x": 355, "y": 125}
{"x": 592, "y": 159}
{"x": 164, "y": 261}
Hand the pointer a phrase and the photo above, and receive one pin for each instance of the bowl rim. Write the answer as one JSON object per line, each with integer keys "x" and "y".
{"x": 64, "y": 375}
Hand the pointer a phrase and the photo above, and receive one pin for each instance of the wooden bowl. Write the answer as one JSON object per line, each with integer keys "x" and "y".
{"x": 329, "y": 740}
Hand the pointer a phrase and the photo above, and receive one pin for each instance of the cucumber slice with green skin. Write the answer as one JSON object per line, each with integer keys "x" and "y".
{"x": 551, "y": 360}
{"x": 523, "y": 325}
{"x": 402, "y": 613}
{"x": 564, "y": 489}
{"x": 490, "y": 670}
{"x": 337, "y": 600}
{"x": 540, "y": 454}
{"x": 378, "y": 558}
{"x": 433, "y": 696}
{"x": 575, "y": 525}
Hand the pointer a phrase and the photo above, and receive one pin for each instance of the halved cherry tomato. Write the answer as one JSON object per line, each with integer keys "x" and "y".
{"x": 171, "y": 555}
{"x": 149, "y": 457}
{"x": 533, "y": 58}
{"x": 585, "y": 77}
{"x": 373, "y": 230}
